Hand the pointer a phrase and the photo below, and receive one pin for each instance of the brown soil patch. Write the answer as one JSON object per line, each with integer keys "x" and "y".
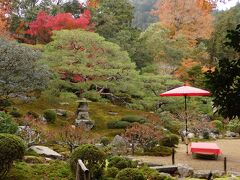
{"x": 230, "y": 149}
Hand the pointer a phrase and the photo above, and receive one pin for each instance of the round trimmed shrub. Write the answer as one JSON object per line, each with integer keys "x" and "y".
{"x": 118, "y": 124}
{"x": 6, "y": 124}
{"x": 218, "y": 125}
{"x": 92, "y": 157}
{"x": 159, "y": 151}
{"x": 105, "y": 141}
{"x": 121, "y": 162}
{"x": 134, "y": 118}
{"x": 11, "y": 148}
{"x": 92, "y": 96}
{"x": 15, "y": 114}
{"x": 130, "y": 174}
{"x": 170, "y": 140}
{"x": 50, "y": 116}
{"x": 111, "y": 172}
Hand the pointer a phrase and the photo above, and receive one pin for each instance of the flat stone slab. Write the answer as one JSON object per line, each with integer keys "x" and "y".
{"x": 45, "y": 151}
{"x": 166, "y": 169}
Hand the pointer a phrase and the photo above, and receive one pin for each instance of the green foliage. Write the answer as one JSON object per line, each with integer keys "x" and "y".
{"x": 170, "y": 140}
{"x": 26, "y": 73}
{"x": 134, "y": 118}
{"x": 15, "y": 114}
{"x": 118, "y": 124}
{"x": 111, "y": 172}
{"x": 92, "y": 96}
{"x": 206, "y": 135}
{"x": 92, "y": 157}
{"x": 224, "y": 21}
{"x": 130, "y": 174}
{"x": 234, "y": 125}
{"x": 218, "y": 125}
{"x": 159, "y": 151}
{"x": 105, "y": 141}
{"x": 153, "y": 174}
{"x": 5, "y": 103}
{"x": 50, "y": 116}
{"x": 52, "y": 170}
{"x": 224, "y": 82}
{"x": 11, "y": 148}
{"x": 121, "y": 162}
{"x": 6, "y": 124}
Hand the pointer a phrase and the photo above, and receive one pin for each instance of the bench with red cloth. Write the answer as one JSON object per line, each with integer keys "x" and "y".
{"x": 205, "y": 148}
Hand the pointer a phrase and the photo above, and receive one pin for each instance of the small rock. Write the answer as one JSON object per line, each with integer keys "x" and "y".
{"x": 201, "y": 174}
{"x": 45, "y": 151}
{"x": 230, "y": 134}
{"x": 191, "y": 135}
{"x": 185, "y": 171}
{"x": 112, "y": 113}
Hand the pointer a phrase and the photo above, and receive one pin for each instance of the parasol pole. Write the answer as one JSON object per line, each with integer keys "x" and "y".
{"x": 185, "y": 97}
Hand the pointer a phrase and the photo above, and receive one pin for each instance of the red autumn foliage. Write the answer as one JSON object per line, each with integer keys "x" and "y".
{"x": 45, "y": 24}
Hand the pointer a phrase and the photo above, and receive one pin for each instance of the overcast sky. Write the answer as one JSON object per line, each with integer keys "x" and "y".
{"x": 227, "y": 5}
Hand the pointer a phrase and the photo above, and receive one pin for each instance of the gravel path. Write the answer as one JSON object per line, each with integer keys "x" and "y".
{"x": 230, "y": 149}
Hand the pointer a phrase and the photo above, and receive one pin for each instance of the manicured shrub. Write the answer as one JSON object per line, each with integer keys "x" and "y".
{"x": 5, "y": 103}
{"x": 134, "y": 118}
{"x": 111, "y": 172}
{"x": 50, "y": 116}
{"x": 206, "y": 135}
{"x": 121, "y": 162}
{"x": 151, "y": 174}
{"x": 92, "y": 157}
{"x": 15, "y": 114}
{"x": 118, "y": 124}
{"x": 130, "y": 174}
{"x": 159, "y": 151}
{"x": 170, "y": 140}
{"x": 234, "y": 126}
{"x": 105, "y": 141}
{"x": 6, "y": 124}
{"x": 11, "y": 148}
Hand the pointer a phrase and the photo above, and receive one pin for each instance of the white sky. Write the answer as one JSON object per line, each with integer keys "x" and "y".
{"x": 221, "y": 6}
{"x": 227, "y": 5}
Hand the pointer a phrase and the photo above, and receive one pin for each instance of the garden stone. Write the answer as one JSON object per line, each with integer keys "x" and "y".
{"x": 61, "y": 112}
{"x": 46, "y": 151}
{"x": 184, "y": 170}
{"x": 212, "y": 135}
{"x": 191, "y": 135}
{"x": 230, "y": 134}
{"x": 217, "y": 173}
{"x": 112, "y": 113}
{"x": 201, "y": 174}
{"x": 165, "y": 175}
{"x": 119, "y": 141}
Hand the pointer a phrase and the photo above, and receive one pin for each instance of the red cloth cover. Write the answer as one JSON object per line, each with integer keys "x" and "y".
{"x": 205, "y": 148}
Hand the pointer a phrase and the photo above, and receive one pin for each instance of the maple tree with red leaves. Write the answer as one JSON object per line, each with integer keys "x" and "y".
{"x": 45, "y": 24}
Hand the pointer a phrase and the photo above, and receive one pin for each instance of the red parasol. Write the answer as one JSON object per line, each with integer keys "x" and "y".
{"x": 186, "y": 91}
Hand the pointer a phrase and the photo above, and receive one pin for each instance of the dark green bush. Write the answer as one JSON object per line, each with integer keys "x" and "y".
{"x": 111, "y": 172}
{"x": 151, "y": 174}
{"x": 159, "y": 151}
{"x": 234, "y": 125}
{"x": 170, "y": 140}
{"x": 130, "y": 174}
{"x": 15, "y": 114}
{"x": 105, "y": 141}
{"x": 134, "y": 118}
{"x": 6, "y": 124}
{"x": 50, "y": 116}
{"x": 118, "y": 124}
{"x": 92, "y": 157}
{"x": 33, "y": 114}
{"x": 121, "y": 162}
{"x": 206, "y": 135}
{"x": 11, "y": 148}
{"x": 5, "y": 103}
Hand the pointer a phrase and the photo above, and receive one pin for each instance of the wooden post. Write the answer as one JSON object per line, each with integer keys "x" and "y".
{"x": 173, "y": 156}
{"x": 78, "y": 172}
{"x": 82, "y": 168}
{"x": 225, "y": 165}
